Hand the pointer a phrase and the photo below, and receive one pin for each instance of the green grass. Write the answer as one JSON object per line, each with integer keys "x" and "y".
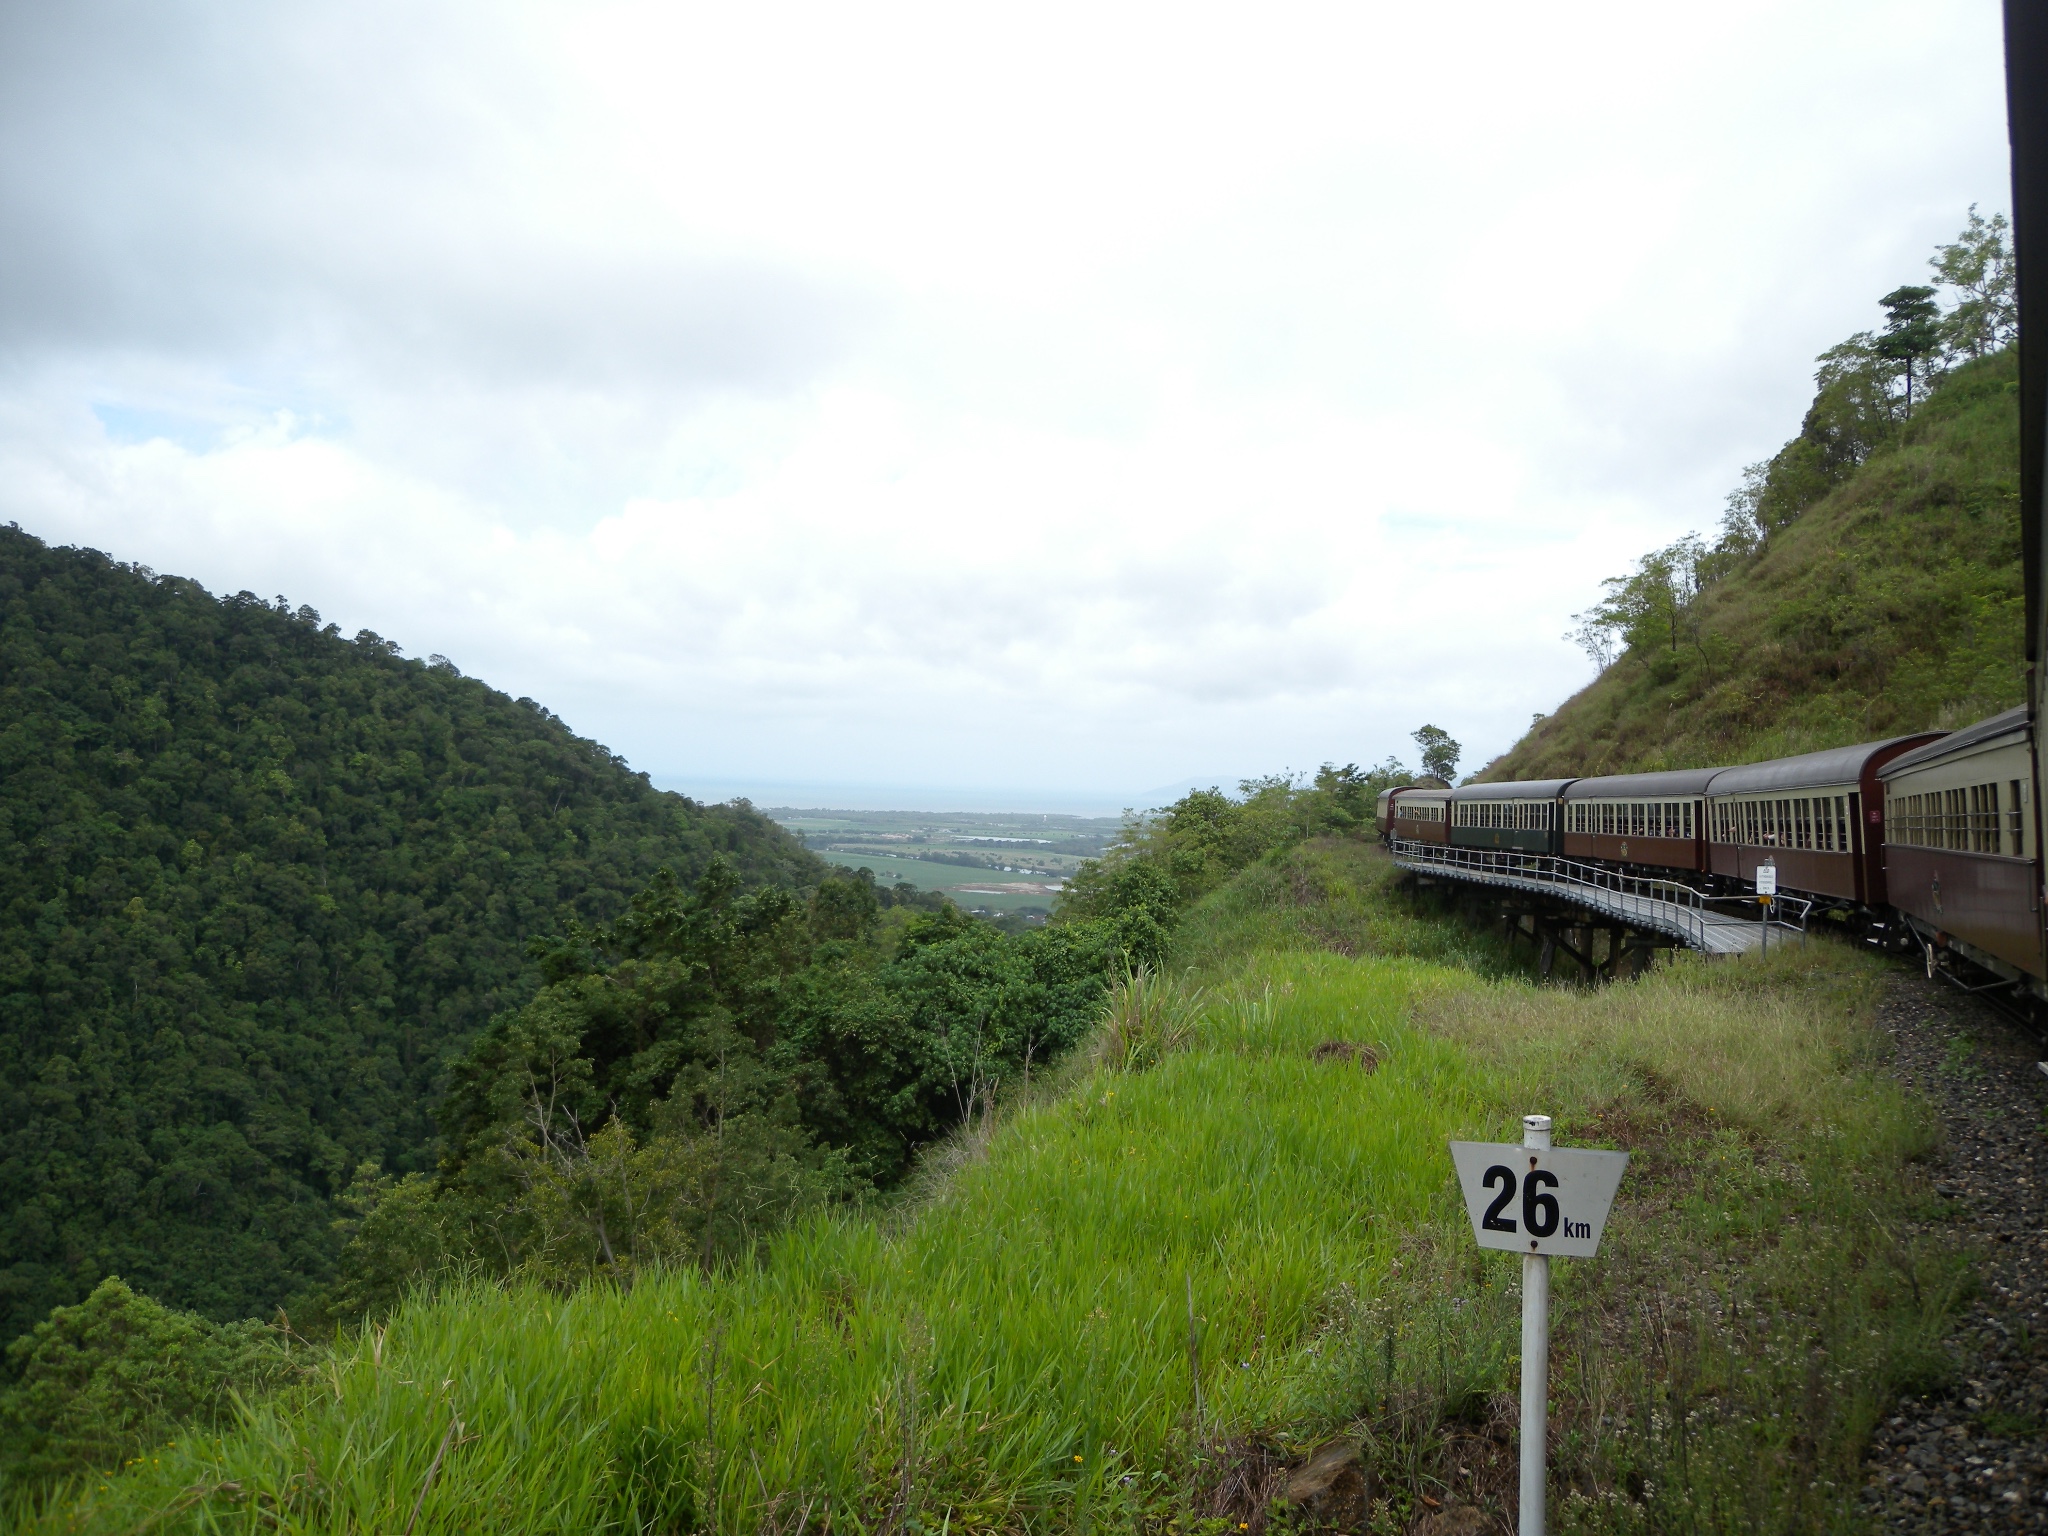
{"x": 1892, "y": 605}
{"x": 1012, "y": 1347}
{"x": 1338, "y": 895}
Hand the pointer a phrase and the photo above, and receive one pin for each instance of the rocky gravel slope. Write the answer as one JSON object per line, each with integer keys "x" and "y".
{"x": 1977, "y": 1459}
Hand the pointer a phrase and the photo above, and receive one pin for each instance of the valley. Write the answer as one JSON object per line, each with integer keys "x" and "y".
{"x": 987, "y": 862}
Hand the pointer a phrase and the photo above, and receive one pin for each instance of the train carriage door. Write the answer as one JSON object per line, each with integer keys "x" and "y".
{"x": 1860, "y": 840}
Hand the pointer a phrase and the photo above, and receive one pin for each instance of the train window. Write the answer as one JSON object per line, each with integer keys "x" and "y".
{"x": 2015, "y": 833}
{"x": 1984, "y": 818}
{"x": 1981, "y": 818}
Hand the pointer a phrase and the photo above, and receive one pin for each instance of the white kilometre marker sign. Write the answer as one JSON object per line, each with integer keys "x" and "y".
{"x": 1537, "y": 1200}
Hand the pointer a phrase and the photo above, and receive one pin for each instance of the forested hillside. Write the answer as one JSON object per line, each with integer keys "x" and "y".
{"x": 1867, "y": 578}
{"x": 259, "y": 883}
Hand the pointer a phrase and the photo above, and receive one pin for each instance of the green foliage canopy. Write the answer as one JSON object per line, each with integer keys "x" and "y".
{"x": 258, "y": 882}
{"x": 108, "y": 1379}
{"x": 715, "y": 1062}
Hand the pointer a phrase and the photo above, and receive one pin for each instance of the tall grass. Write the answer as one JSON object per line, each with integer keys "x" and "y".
{"x": 1213, "y": 1245}
{"x": 1023, "y": 1347}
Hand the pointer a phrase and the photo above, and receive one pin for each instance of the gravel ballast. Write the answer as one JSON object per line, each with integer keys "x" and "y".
{"x": 1976, "y": 1459}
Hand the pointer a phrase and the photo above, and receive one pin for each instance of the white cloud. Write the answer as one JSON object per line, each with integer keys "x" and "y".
{"x": 1065, "y": 398}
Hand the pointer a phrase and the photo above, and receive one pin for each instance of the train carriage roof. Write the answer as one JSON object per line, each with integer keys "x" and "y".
{"x": 1527, "y": 789}
{"x": 2011, "y": 723}
{"x": 1810, "y": 770}
{"x": 1644, "y": 786}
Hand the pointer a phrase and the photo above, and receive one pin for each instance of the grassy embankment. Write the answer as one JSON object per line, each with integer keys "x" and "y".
{"x": 1014, "y": 1346}
{"x": 1891, "y": 605}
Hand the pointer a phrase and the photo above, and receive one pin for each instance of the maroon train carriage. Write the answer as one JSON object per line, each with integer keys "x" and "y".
{"x": 1383, "y": 812}
{"x": 1819, "y": 817}
{"x": 1658, "y": 819}
{"x": 1421, "y": 815}
{"x": 1958, "y": 835}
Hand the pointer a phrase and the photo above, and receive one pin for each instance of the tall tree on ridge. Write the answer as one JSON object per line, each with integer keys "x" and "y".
{"x": 1979, "y": 267}
{"x": 1912, "y": 330}
{"x": 1439, "y": 753}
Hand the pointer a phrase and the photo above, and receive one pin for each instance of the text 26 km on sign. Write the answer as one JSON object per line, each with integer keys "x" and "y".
{"x": 1552, "y": 1200}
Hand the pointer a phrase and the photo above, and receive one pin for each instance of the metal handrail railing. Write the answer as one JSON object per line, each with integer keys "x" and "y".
{"x": 1631, "y": 894}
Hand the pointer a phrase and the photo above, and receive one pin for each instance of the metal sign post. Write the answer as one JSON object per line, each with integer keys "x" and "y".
{"x": 1766, "y": 888}
{"x": 1539, "y": 1201}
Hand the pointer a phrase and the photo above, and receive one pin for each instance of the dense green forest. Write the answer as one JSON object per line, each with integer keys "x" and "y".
{"x": 693, "y": 1077}
{"x": 1866, "y": 578}
{"x": 332, "y": 974}
{"x": 259, "y": 881}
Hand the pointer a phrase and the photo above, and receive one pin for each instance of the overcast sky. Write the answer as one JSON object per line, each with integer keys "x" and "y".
{"x": 1030, "y": 405}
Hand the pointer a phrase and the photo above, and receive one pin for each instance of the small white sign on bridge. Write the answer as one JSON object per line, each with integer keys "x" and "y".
{"x": 1549, "y": 1200}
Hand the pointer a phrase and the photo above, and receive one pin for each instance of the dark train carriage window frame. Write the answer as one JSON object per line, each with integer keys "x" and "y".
{"x": 1666, "y": 819}
{"x": 1968, "y": 818}
{"x": 1810, "y": 823}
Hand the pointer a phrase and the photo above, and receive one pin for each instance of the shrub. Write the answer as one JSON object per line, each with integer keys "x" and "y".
{"x": 100, "y": 1382}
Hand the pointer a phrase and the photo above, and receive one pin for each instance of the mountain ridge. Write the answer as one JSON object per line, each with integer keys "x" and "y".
{"x": 260, "y": 882}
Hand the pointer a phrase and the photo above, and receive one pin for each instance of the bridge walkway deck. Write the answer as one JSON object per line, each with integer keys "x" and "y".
{"x": 1660, "y": 906}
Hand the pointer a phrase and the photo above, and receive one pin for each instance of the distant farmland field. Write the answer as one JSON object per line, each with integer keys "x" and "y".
{"x": 1041, "y": 849}
{"x": 946, "y": 877}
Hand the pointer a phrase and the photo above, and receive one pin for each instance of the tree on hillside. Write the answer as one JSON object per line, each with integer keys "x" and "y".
{"x": 1652, "y": 607}
{"x": 1439, "y": 753}
{"x": 1874, "y": 392}
{"x": 1593, "y": 637}
{"x": 1912, "y": 330}
{"x": 1857, "y": 405}
{"x": 1978, "y": 265}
